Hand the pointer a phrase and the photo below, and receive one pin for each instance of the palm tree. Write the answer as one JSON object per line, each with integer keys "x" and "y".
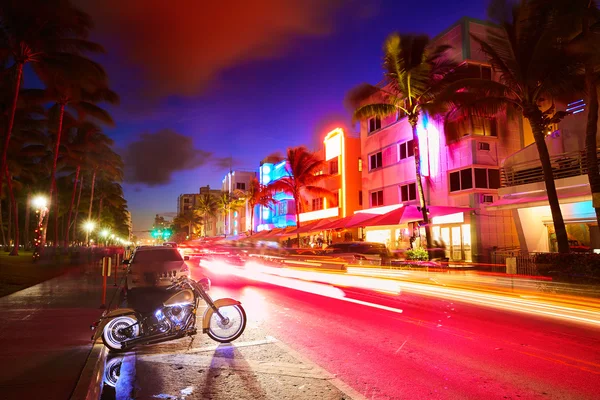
{"x": 257, "y": 195}
{"x": 77, "y": 93}
{"x": 207, "y": 206}
{"x": 224, "y": 205}
{"x": 534, "y": 68}
{"x": 190, "y": 219}
{"x": 43, "y": 33}
{"x": 304, "y": 174}
{"x": 414, "y": 73}
{"x": 579, "y": 21}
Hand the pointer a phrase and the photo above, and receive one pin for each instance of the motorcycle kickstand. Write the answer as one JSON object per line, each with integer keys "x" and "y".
{"x": 191, "y": 342}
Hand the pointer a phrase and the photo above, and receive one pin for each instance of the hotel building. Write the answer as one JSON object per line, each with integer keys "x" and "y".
{"x": 460, "y": 168}
{"x": 235, "y": 221}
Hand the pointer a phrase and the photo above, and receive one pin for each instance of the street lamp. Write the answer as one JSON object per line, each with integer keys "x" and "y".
{"x": 88, "y": 227}
{"x": 104, "y": 233}
{"x": 40, "y": 203}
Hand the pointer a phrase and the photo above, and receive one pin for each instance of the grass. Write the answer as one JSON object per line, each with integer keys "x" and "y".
{"x": 20, "y": 272}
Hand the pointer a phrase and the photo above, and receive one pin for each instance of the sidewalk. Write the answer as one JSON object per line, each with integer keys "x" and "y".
{"x": 45, "y": 335}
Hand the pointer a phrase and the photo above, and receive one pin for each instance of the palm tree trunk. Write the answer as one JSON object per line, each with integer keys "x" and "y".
{"x": 68, "y": 226}
{"x": 75, "y": 235}
{"x": 297, "y": 206}
{"x": 251, "y": 221}
{"x": 413, "y": 123}
{"x": 537, "y": 127}
{"x": 87, "y": 234}
{"x": 56, "y": 213}
{"x": 26, "y": 226}
{"x": 53, "y": 173}
{"x": 591, "y": 144}
{"x": 11, "y": 121}
{"x": 15, "y": 212}
{"x": 2, "y": 226}
{"x": 9, "y": 225}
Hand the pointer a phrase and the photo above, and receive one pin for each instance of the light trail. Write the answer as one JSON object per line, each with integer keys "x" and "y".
{"x": 319, "y": 282}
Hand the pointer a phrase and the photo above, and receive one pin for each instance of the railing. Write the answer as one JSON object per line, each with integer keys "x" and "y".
{"x": 564, "y": 166}
{"x": 525, "y": 261}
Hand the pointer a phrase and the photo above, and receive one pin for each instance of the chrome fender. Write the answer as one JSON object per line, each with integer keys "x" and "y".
{"x": 108, "y": 316}
{"x": 209, "y": 311}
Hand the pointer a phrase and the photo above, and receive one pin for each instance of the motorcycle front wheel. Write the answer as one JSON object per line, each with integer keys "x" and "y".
{"x": 229, "y": 330}
{"x": 112, "y": 336}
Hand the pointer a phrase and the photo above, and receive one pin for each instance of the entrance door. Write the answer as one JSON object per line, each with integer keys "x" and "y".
{"x": 445, "y": 234}
{"x": 456, "y": 243}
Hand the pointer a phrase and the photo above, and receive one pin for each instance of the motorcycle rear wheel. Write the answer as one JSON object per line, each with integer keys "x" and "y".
{"x": 225, "y": 333}
{"x": 112, "y": 338}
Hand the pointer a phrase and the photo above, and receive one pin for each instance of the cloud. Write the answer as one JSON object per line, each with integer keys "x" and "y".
{"x": 180, "y": 46}
{"x": 155, "y": 157}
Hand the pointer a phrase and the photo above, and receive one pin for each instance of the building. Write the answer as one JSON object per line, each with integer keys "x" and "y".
{"x": 341, "y": 155}
{"x": 187, "y": 202}
{"x": 237, "y": 220}
{"x": 523, "y": 192}
{"x": 460, "y": 168}
{"x": 283, "y": 213}
{"x": 211, "y": 225}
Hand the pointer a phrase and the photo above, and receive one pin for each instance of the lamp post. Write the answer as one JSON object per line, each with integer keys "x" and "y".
{"x": 88, "y": 227}
{"x": 40, "y": 203}
{"x": 104, "y": 233}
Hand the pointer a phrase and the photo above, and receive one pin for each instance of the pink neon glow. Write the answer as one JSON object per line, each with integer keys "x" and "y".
{"x": 429, "y": 144}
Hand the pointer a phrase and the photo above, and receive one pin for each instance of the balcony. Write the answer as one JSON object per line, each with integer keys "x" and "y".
{"x": 564, "y": 165}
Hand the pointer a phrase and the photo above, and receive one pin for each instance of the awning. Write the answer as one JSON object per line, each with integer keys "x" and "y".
{"x": 538, "y": 199}
{"x": 407, "y": 214}
{"x": 346, "y": 222}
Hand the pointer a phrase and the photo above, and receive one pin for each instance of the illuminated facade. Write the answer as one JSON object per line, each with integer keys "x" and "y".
{"x": 283, "y": 213}
{"x": 237, "y": 221}
{"x": 459, "y": 168}
{"x": 341, "y": 154}
{"x": 523, "y": 191}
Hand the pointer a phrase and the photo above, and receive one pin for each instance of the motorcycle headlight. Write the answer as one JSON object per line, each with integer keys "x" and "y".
{"x": 205, "y": 283}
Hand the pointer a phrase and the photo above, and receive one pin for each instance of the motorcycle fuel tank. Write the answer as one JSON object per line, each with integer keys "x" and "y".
{"x": 184, "y": 297}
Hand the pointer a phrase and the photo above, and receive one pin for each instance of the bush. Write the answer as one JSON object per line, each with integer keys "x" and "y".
{"x": 419, "y": 254}
{"x": 572, "y": 267}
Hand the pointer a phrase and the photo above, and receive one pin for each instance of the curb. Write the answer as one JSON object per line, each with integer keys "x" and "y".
{"x": 89, "y": 384}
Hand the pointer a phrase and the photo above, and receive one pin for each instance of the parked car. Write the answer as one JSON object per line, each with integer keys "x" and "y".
{"x": 155, "y": 266}
{"x": 362, "y": 253}
{"x": 577, "y": 247}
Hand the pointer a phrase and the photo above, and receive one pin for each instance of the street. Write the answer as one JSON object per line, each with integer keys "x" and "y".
{"x": 382, "y": 346}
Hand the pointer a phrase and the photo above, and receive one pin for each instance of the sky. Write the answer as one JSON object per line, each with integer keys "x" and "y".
{"x": 209, "y": 85}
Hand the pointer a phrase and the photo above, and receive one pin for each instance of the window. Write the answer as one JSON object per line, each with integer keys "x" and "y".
{"x": 483, "y": 146}
{"x": 408, "y": 192}
{"x": 374, "y": 124}
{"x": 334, "y": 167}
{"x": 406, "y": 149}
{"x": 240, "y": 185}
{"x": 377, "y": 198}
{"x": 375, "y": 161}
{"x": 466, "y": 179}
{"x": 360, "y": 197}
{"x": 317, "y": 204}
{"x": 487, "y": 198}
{"x": 484, "y": 179}
{"x": 360, "y": 162}
{"x": 336, "y": 199}
{"x": 484, "y": 126}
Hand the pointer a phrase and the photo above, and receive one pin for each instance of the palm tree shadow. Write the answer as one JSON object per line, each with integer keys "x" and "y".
{"x": 228, "y": 363}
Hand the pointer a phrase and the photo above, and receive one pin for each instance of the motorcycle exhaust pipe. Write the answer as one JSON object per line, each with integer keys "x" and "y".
{"x": 143, "y": 339}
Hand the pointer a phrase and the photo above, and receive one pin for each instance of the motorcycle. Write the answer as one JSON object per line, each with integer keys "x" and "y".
{"x": 224, "y": 320}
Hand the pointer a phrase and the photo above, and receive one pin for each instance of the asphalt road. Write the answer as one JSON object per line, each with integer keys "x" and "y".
{"x": 383, "y": 346}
